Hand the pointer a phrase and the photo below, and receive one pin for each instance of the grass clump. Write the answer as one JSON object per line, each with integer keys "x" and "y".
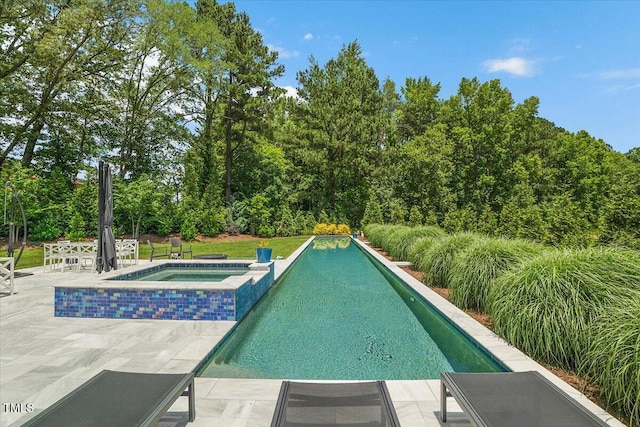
{"x": 546, "y": 307}
{"x": 475, "y": 269}
{"x": 393, "y": 234}
{"x": 376, "y": 233}
{"x": 404, "y": 239}
{"x": 437, "y": 261}
{"x": 613, "y": 356}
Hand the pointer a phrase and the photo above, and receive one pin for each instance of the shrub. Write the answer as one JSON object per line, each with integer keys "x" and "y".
{"x": 372, "y": 212}
{"x": 266, "y": 230}
{"x": 331, "y": 229}
{"x": 45, "y": 228}
{"x": 343, "y": 229}
{"x": 188, "y": 226}
{"x": 320, "y": 229}
{"x": 439, "y": 258}
{"x": 390, "y": 238}
{"x": 415, "y": 217}
{"x": 546, "y": 307}
{"x": 404, "y": 239}
{"x": 416, "y": 252}
{"x": 76, "y": 228}
{"x": 613, "y": 356}
{"x": 376, "y": 232}
{"x": 476, "y": 268}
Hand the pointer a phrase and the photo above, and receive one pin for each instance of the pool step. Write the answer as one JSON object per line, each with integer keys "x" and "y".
{"x": 403, "y": 263}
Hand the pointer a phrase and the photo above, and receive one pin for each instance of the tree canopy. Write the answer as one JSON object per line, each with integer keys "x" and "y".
{"x": 182, "y": 100}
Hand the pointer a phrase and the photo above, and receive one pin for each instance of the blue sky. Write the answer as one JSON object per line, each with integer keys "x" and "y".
{"x": 581, "y": 58}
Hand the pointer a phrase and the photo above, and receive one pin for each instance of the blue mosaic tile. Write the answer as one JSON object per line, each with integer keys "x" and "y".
{"x": 179, "y": 304}
{"x": 145, "y": 304}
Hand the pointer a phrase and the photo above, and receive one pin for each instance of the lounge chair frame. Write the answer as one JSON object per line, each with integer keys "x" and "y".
{"x": 119, "y": 398}
{"x": 513, "y": 398}
{"x": 317, "y": 402}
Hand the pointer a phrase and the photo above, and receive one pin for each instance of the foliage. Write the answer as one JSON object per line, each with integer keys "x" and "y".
{"x": 612, "y": 359}
{"x": 547, "y": 307}
{"x": 415, "y": 216}
{"x": 76, "y": 230}
{"x": 331, "y": 229}
{"x": 439, "y": 259}
{"x": 477, "y": 267}
{"x": 188, "y": 226}
{"x": 341, "y": 113}
{"x": 372, "y": 212}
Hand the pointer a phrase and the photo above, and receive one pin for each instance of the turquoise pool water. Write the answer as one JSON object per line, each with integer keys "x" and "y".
{"x": 184, "y": 274}
{"x": 337, "y": 314}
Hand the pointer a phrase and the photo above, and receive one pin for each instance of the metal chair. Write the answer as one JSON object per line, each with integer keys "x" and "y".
{"x": 178, "y": 250}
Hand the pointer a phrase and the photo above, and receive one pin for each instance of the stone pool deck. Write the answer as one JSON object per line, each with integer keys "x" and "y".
{"x": 43, "y": 357}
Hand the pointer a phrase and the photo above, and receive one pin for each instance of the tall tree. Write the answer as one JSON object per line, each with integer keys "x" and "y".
{"x": 341, "y": 110}
{"x": 77, "y": 41}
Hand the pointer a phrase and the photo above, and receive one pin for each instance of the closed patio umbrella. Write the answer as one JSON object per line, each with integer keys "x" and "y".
{"x": 106, "y": 256}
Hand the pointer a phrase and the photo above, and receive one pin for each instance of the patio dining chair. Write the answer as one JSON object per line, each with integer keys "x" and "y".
{"x": 178, "y": 249}
{"x": 157, "y": 252}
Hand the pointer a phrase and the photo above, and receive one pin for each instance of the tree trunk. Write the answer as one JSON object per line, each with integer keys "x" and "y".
{"x": 29, "y": 149}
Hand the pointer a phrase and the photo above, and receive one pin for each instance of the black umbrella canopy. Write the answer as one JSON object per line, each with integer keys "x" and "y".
{"x": 106, "y": 256}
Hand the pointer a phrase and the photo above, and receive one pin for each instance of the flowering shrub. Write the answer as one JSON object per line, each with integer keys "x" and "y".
{"x": 331, "y": 229}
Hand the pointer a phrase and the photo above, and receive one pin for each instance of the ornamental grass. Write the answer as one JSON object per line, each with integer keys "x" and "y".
{"x": 612, "y": 359}
{"x": 392, "y": 234}
{"x": 376, "y": 232}
{"x": 475, "y": 269}
{"x": 546, "y": 307}
{"x": 437, "y": 261}
{"x": 401, "y": 241}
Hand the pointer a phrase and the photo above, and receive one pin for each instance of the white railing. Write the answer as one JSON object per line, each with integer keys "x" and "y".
{"x": 6, "y": 275}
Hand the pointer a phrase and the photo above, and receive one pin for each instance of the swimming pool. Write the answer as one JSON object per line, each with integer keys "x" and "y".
{"x": 338, "y": 314}
{"x": 198, "y": 272}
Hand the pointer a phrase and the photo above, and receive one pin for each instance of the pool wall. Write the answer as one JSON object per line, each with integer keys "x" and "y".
{"x": 165, "y": 300}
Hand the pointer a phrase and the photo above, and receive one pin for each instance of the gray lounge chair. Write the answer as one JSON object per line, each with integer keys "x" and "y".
{"x": 178, "y": 250}
{"x": 156, "y": 253}
{"x": 365, "y": 404}
{"x": 114, "y": 398}
{"x": 513, "y": 399}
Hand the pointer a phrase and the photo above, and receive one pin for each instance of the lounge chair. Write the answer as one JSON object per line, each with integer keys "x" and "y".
{"x": 513, "y": 399}
{"x": 119, "y": 399}
{"x": 334, "y": 404}
{"x": 178, "y": 250}
{"x": 155, "y": 252}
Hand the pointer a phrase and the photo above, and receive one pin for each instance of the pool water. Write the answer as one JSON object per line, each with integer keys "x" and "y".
{"x": 191, "y": 275}
{"x": 335, "y": 314}
{"x": 186, "y": 273}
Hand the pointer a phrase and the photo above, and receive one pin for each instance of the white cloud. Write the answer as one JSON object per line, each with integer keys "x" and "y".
{"x": 284, "y": 53}
{"x": 630, "y": 73}
{"x": 516, "y": 66}
{"x": 290, "y": 91}
{"x": 520, "y": 45}
{"x": 622, "y": 88}
{"x": 308, "y": 36}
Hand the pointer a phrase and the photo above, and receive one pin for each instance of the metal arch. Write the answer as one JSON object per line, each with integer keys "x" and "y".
{"x": 13, "y": 230}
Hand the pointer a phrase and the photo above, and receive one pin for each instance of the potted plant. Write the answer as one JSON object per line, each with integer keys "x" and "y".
{"x": 263, "y": 251}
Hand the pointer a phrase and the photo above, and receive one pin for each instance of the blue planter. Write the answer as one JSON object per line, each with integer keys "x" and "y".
{"x": 264, "y": 254}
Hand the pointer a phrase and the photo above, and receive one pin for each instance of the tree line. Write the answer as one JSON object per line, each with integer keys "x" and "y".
{"x": 181, "y": 100}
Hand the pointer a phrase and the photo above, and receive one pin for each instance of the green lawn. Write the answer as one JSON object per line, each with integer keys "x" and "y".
{"x": 282, "y": 246}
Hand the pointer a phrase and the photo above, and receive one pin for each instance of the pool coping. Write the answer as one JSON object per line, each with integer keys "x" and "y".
{"x": 255, "y": 273}
{"x": 510, "y": 356}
